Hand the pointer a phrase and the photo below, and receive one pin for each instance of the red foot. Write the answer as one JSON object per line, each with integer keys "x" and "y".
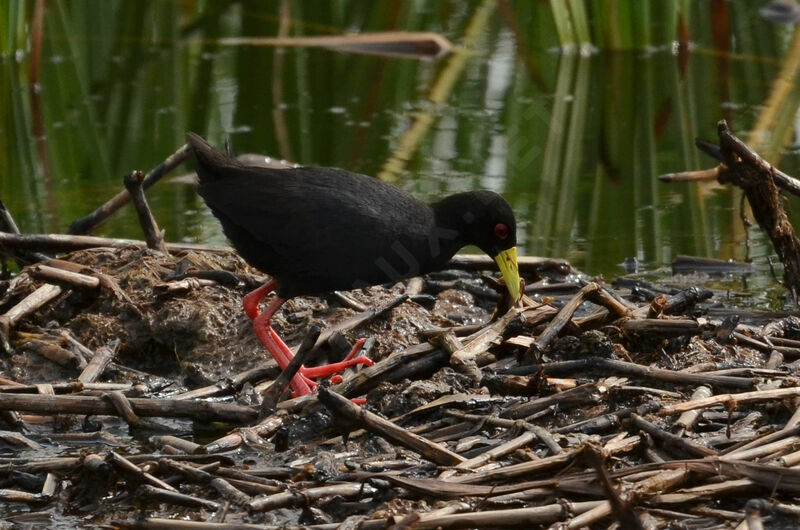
{"x": 301, "y": 383}
{"x": 330, "y": 369}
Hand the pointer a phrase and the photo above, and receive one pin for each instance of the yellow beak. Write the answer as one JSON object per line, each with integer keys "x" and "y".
{"x": 507, "y": 261}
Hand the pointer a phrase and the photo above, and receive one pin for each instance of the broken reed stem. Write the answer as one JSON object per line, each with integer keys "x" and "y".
{"x": 345, "y": 408}
{"x": 612, "y": 367}
{"x": 199, "y": 410}
{"x": 88, "y": 223}
{"x": 732, "y": 400}
{"x": 552, "y": 330}
{"x": 75, "y": 279}
{"x": 154, "y": 237}
{"x": 760, "y": 181}
{"x": 99, "y": 362}
{"x": 26, "y": 306}
{"x": 276, "y": 390}
{"x": 69, "y": 243}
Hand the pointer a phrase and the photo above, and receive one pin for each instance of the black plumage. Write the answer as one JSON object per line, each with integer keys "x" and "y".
{"x": 315, "y": 230}
{"x": 318, "y": 229}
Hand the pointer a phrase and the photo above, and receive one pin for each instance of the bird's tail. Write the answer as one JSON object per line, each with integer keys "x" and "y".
{"x": 211, "y": 162}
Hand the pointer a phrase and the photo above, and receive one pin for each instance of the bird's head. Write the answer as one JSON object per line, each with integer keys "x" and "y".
{"x": 487, "y": 221}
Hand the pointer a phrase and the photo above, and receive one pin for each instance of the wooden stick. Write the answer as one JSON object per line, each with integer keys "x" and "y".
{"x": 69, "y": 243}
{"x": 153, "y": 236}
{"x": 730, "y": 141}
{"x": 76, "y": 279}
{"x": 307, "y": 496}
{"x": 229, "y": 492}
{"x": 357, "y": 320}
{"x": 463, "y": 359}
{"x": 200, "y": 410}
{"x": 265, "y": 370}
{"x": 670, "y": 440}
{"x": 274, "y": 392}
{"x": 27, "y": 305}
{"x": 7, "y": 224}
{"x": 516, "y": 470}
{"x": 527, "y": 264}
{"x": 55, "y": 353}
{"x": 342, "y": 406}
{"x": 732, "y": 400}
{"x": 758, "y": 179}
{"x": 544, "y": 436}
{"x": 265, "y": 429}
{"x": 503, "y": 449}
{"x": 398, "y": 366}
{"x": 615, "y": 368}
{"x": 187, "y": 446}
{"x": 614, "y": 304}
{"x": 88, "y": 223}
{"x": 172, "y": 497}
{"x": 552, "y": 330}
{"x": 129, "y": 468}
{"x": 99, "y": 362}
{"x": 515, "y": 517}
{"x": 690, "y": 417}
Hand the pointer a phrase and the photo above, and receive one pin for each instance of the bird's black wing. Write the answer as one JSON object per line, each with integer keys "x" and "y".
{"x": 318, "y": 225}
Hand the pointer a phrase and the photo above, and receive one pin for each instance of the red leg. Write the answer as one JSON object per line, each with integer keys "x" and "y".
{"x": 301, "y": 383}
{"x": 279, "y": 351}
{"x": 253, "y": 298}
{"x": 290, "y": 355}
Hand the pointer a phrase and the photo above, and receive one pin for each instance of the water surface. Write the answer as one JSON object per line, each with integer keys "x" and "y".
{"x": 575, "y": 141}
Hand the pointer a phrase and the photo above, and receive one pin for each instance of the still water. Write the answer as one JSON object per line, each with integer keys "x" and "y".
{"x": 575, "y": 141}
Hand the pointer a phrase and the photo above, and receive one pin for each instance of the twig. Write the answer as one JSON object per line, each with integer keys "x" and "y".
{"x": 463, "y": 359}
{"x": 265, "y": 429}
{"x": 99, "y": 362}
{"x": 370, "y": 421}
{"x": 154, "y": 237}
{"x": 307, "y": 496}
{"x": 274, "y": 392}
{"x": 612, "y": 367}
{"x": 75, "y": 279}
{"x": 69, "y": 243}
{"x": 671, "y": 440}
{"x": 200, "y": 410}
{"x": 26, "y": 306}
{"x": 357, "y": 320}
{"x": 7, "y": 224}
{"x": 527, "y": 264}
{"x": 162, "y": 495}
{"x": 732, "y": 400}
{"x": 552, "y": 330}
{"x": 88, "y": 223}
{"x": 516, "y": 470}
{"x": 129, "y": 468}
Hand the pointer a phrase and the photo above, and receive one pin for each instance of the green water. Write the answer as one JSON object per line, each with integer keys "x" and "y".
{"x": 574, "y": 141}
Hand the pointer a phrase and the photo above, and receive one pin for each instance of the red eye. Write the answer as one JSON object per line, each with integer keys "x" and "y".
{"x": 501, "y": 231}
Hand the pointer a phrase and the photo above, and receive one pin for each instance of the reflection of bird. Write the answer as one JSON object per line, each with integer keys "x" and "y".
{"x": 314, "y": 230}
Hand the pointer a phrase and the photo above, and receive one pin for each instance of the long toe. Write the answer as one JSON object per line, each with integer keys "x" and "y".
{"x": 356, "y": 348}
{"x": 328, "y": 370}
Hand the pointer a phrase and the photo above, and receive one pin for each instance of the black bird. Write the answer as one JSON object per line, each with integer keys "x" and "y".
{"x": 317, "y": 229}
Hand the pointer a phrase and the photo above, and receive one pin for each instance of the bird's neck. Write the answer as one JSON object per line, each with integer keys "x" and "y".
{"x": 451, "y": 222}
